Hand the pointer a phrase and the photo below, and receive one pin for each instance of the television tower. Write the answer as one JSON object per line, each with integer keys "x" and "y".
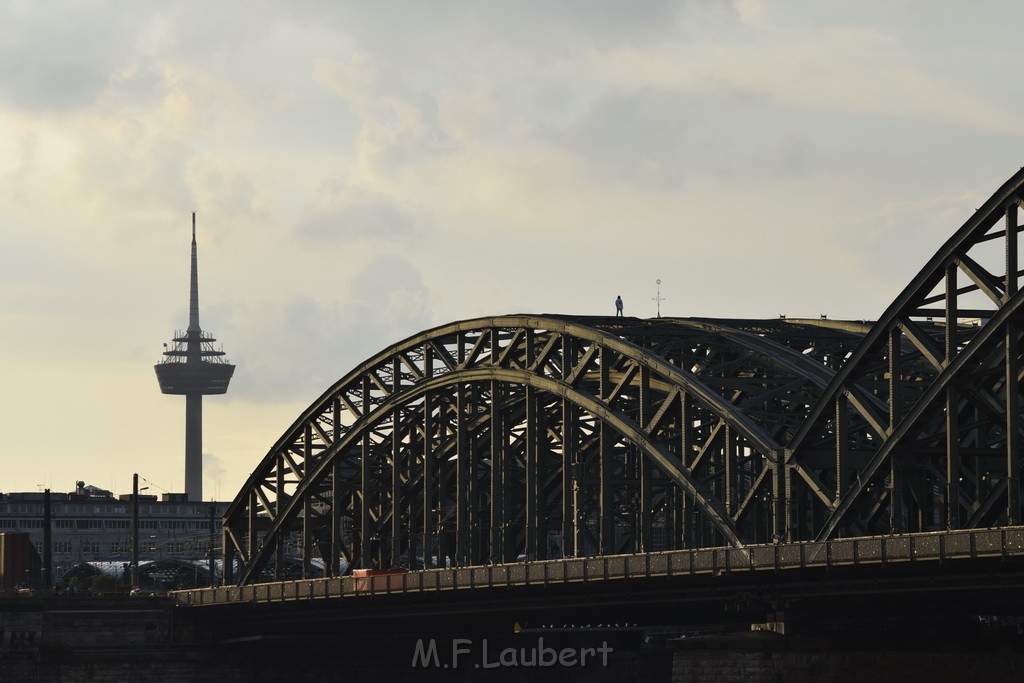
{"x": 194, "y": 368}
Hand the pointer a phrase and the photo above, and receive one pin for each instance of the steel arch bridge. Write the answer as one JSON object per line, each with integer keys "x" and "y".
{"x": 535, "y": 437}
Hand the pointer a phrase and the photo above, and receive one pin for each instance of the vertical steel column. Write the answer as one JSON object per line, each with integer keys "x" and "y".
{"x": 395, "y": 547}
{"x": 952, "y": 493}
{"x": 307, "y": 460}
{"x": 307, "y": 545}
{"x": 537, "y": 457}
{"x": 464, "y": 461}
{"x": 894, "y": 352}
{"x": 790, "y": 505}
{"x": 606, "y": 497}
{"x": 682, "y": 510}
{"x": 897, "y": 515}
{"x": 227, "y": 574}
{"x": 395, "y": 550}
{"x": 212, "y": 541}
{"x": 408, "y": 524}
{"x": 1012, "y": 388}
{"x": 363, "y": 548}
{"x": 429, "y": 522}
{"x": 1013, "y": 448}
{"x": 644, "y": 537}
{"x": 952, "y": 316}
{"x": 842, "y": 428}
{"x": 498, "y": 514}
{"x": 461, "y": 478}
{"x": 1010, "y": 284}
{"x": 278, "y": 510}
{"x": 252, "y": 541}
{"x": 333, "y": 566}
{"x": 532, "y": 497}
{"x": 496, "y": 540}
{"x": 778, "y": 507}
{"x": 443, "y": 469}
{"x": 894, "y": 369}
{"x": 728, "y": 448}
{"x": 569, "y": 457}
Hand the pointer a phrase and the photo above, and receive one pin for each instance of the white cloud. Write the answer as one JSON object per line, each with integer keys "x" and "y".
{"x": 366, "y": 170}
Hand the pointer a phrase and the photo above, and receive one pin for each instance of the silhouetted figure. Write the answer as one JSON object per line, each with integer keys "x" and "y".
{"x": 618, "y": 306}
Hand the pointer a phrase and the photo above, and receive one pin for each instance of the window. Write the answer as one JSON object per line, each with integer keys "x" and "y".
{"x": 62, "y": 547}
{"x": 116, "y": 524}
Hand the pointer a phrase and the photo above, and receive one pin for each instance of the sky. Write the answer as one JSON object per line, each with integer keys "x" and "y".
{"x": 362, "y": 171}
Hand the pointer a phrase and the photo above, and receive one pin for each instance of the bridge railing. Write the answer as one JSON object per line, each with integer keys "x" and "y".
{"x": 868, "y": 550}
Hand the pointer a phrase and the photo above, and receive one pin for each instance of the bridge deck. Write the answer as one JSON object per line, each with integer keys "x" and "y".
{"x": 869, "y": 550}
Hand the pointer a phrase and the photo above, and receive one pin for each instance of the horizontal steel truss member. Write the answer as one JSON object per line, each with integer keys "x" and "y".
{"x": 1004, "y": 543}
{"x": 543, "y": 437}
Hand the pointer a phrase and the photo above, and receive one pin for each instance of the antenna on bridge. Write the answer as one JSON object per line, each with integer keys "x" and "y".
{"x": 658, "y": 299}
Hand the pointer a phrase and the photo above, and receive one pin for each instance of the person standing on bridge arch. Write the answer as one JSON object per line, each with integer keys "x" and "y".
{"x": 618, "y": 306}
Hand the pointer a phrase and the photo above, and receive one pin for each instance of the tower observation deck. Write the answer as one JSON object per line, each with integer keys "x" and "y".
{"x": 193, "y": 367}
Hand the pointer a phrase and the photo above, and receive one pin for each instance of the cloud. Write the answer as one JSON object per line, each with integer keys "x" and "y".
{"x": 60, "y": 57}
{"x": 404, "y": 27}
{"x": 346, "y": 213}
{"x": 363, "y": 171}
{"x": 298, "y": 346}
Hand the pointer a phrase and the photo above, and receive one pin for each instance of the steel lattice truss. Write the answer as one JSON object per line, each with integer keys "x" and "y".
{"x": 532, "y": 437}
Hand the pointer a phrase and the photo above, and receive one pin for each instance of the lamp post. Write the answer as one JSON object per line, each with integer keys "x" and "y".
{"x": 135, "y": 527}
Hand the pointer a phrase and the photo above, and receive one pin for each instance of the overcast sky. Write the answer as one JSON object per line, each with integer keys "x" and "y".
{"x": 364, "y": 170}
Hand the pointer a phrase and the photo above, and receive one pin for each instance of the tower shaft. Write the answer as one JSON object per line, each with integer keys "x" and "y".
{"x": 194, "y": 446}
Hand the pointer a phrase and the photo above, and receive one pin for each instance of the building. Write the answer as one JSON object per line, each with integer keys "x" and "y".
{"x": 91, "y": 525}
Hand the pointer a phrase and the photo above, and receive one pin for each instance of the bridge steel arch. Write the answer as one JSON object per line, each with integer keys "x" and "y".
{"x": 944, "y": 361}
{"x": 533, "y": 437}
{"x": 556, "y": 437}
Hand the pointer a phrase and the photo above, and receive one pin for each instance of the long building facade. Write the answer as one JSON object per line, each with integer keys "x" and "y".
{"x": 92, "y": 525}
